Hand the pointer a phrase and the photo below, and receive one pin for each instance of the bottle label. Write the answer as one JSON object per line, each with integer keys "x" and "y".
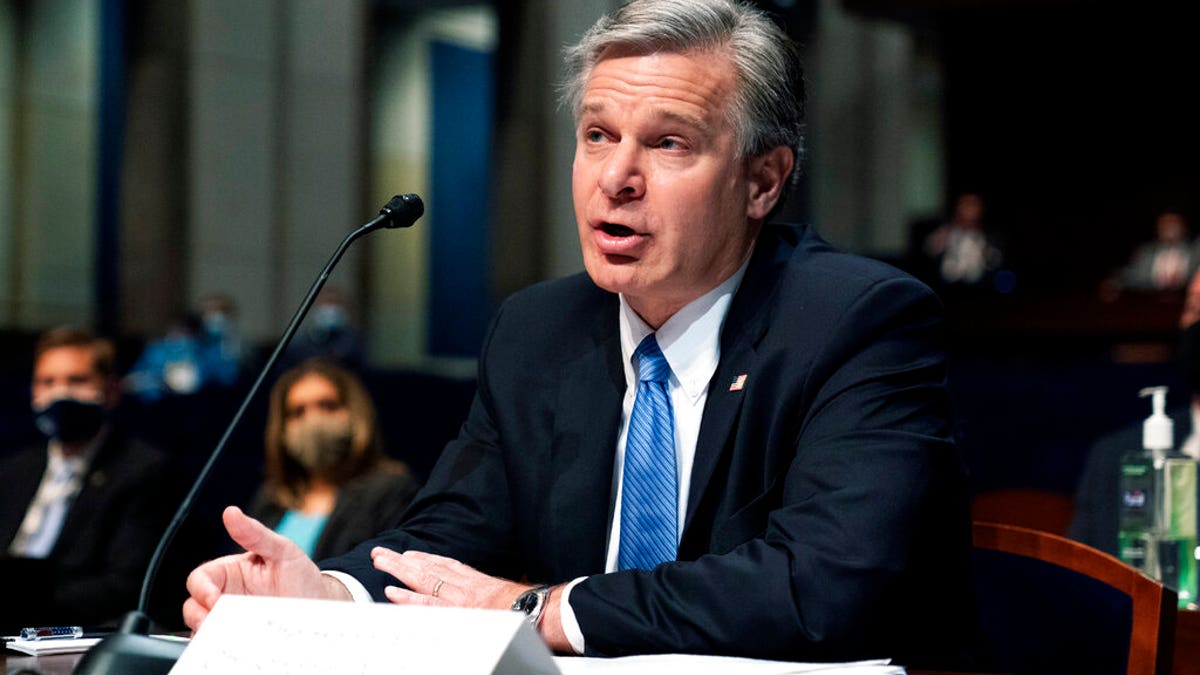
{"x": 1136, "y": 535}
{"x": 1131, "y": 549}
{"x": 1137, "y": 497}
{"x": 1133, "y": 499}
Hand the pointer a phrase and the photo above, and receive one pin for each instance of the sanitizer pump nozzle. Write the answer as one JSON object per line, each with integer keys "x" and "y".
{"x": 1158, "y": 431}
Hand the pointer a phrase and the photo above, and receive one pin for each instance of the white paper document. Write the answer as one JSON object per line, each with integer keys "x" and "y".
{"x": 258, "y": 635}
{"x": 674, "y": 664}
{"x": 304, "y": 637}
{"x": 55, "y": 646}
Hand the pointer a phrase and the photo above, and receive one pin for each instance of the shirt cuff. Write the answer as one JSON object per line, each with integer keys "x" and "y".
{"x": 567, "y": 616}
{"x": 358, "y": 592}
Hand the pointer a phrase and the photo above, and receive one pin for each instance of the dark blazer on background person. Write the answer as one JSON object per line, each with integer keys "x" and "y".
{"x": 109, "y": 532}
{"x": 365, "y": 506}
{"x": 827, "y": 516}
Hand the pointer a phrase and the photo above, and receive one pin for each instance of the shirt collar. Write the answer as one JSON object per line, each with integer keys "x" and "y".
{"x": 80, "y": 462}
{"x": 690, "y": 340}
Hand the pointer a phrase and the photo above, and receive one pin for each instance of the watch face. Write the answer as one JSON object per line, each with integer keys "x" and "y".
{"x": 527, "y": 602}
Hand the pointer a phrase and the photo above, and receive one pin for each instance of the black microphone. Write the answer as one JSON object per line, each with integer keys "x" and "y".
{"x": 400, "y": 211}
{"x": 131, "y": 650}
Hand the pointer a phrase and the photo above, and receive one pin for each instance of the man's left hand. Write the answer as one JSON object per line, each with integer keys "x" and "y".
{"x": 441, "y": 581}
{"x": 438, "y": 580}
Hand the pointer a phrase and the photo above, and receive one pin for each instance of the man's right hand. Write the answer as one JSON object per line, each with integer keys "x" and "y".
{"x": 271, "y": 565}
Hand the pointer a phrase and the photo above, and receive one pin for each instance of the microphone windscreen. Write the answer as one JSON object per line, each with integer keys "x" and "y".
{"x": 402, "y": 211}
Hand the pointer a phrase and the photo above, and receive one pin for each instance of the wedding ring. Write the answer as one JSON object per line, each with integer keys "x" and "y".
{"x": 438, "y": 587}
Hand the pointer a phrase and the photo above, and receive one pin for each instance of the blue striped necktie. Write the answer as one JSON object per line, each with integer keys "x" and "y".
{"x": 649, "y": 501}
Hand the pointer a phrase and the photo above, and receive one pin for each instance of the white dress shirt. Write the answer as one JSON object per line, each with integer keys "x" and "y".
{"x": 691, "y": 342}
{"x": 62, "y": 480}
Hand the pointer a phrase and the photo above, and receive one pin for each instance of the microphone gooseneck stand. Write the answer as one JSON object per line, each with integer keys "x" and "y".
{"x": 131, "y": 650}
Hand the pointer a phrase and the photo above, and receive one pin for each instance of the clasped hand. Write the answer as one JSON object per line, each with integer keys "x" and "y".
{"x": 440, "y": 581}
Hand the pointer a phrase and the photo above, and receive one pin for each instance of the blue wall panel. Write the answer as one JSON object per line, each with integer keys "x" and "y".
{"x": 459, "y": 199}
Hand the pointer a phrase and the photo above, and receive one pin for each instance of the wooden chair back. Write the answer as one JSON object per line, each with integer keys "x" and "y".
{"x": 1050, "y": 604}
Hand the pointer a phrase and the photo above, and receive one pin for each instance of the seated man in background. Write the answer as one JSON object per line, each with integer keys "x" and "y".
{"x": 961, "y": 249}
{"x": 1167, "y": 262}
{"x": 724, "y": 438}
{"x": 329, "y": 334}
{"x": 85, "y": 509}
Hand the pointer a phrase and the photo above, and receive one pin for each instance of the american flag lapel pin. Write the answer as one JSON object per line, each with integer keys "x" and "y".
{"x": 738, "y": 383}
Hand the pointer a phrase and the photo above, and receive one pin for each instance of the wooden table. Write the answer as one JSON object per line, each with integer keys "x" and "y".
{"x": 1187, "y": 643}
{"x": 60, "y": 664}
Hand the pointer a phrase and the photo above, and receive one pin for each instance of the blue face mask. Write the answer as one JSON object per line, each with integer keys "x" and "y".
{"x": 70, "y": 420}
{"x": 329, "y": 317}
{"x": 216, "y": 324}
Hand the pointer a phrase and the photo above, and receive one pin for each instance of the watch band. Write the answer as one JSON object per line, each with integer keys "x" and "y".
{"x": 532, "y": 603}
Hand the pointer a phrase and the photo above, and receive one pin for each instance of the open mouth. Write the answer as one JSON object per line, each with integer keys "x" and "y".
{"x": 614, "y": 230}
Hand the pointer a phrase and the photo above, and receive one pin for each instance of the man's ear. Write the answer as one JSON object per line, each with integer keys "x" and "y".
{"x": 768, "y": 179}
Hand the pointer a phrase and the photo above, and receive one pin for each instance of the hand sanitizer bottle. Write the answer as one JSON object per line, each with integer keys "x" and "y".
{"x": 1137, "y": 538}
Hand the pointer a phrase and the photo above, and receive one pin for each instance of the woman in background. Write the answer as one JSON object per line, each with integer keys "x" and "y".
{"x": 328, "y": 485}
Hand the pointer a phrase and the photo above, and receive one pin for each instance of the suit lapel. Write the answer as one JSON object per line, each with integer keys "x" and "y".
{"x": 92, "y": 495}
{"x": 583, "y": 448}
{"x": 744, "y": 327}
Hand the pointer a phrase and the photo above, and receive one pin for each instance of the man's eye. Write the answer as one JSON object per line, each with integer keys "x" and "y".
{"x": 593, "y": 136}
{"x": 670, "y": 144}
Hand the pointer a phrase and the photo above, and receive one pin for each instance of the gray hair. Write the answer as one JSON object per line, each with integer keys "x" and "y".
{"x": 767, "y": 109}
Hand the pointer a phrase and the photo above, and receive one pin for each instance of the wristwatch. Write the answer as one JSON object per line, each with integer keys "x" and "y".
{"x": 531, "y": 603}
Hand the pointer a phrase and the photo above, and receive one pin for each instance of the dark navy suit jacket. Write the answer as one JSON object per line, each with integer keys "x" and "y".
{"x": 109, "y": 532}
{"x": 827, "y": 517}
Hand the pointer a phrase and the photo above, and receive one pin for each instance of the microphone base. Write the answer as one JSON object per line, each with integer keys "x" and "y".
{"x": 132, "y": 651}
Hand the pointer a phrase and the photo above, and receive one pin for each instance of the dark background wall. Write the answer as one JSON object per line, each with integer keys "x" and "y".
{"x": 1078, "y": 122}
{"x": 1075, "y": 121}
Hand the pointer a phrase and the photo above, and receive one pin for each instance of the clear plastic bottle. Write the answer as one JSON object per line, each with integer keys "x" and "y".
{"x": 1158, "y": 506}
{"x": 1176, "y": 555}
{"x": 1139, "y": 508}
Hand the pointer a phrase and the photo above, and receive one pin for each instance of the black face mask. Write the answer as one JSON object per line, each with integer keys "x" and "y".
{"x": 70, "y": 420}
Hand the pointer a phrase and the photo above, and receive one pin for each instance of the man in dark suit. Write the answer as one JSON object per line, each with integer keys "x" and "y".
{"x": 815, "y": 506}
{"x": 84, "y": 510}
